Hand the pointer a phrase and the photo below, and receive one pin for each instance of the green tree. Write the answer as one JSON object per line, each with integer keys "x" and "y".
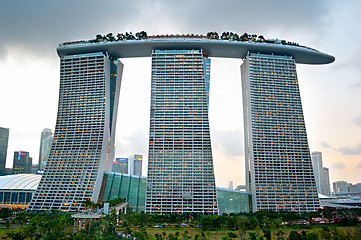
{"x": 185, "y": 235}
{"x": 280, "y": 234}
{"x": 14, "y": 236}
{"x": 232, "y": 235}
{"x": 267, "y": 234}
{"x": 253, "y": 236}
{"x": 326, "y": 233}
{"x": 314, "y": 236}
{"x": 294, "y": 235}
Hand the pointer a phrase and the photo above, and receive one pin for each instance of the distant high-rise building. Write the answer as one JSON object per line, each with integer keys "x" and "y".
{"x": 8, "y": 171}
{"x": 343, "y": 187}
{"x": 4, "y": 139}
{"x": 340, "y": 187}
{"x": 230, "y": 185}
{"x": 131, "y": 165}
{"x": 358, "y": 186}
{"x": 136, "y": 163}
{"x": 22, "y": 163}
{"x": 180, "y": 166}
{"x": 241, "y": 187}
{"x": 45, "y": 144}
{"x": 121, "y": 165}
{"x": 278, "y": 162}
{"x": 35, "y": 169}
{"x": 321, "y": 174}
{"x": 83, "y": 145}
{"x": 325, "y": 182}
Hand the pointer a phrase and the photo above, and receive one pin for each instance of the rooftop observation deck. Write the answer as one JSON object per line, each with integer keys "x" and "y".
{"x": 212, "y": 47}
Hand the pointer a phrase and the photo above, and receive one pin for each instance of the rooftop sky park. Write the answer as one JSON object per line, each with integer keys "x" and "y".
{"x": 228, "y": 45}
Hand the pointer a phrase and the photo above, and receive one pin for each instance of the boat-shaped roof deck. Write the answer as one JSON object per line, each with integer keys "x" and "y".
{"x": 212, "y": 47}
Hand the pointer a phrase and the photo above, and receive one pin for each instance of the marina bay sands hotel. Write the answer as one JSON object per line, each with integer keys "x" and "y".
{"x": 180, "y": 179}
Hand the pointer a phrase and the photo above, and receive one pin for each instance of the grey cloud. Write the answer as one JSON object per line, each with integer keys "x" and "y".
{"x": 338, "y": 165}
{"x": 325, "y": 144}
{"x": 358, "y": 165}
{"x": 357, "y": 120}
{"x": 38, "y": 26}
{"x": 41, "y": 25}
{"x": 235, "y": 15}
{"x": 350, "y": 150}
{"x": 229, "y": 143}
{"x": 134, "y": 143}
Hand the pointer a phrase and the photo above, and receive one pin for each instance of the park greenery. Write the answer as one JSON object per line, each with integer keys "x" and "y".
{"x": 230, "y": 36}
{"x": 88, "y": 204}
{"x": 266, "y": 225}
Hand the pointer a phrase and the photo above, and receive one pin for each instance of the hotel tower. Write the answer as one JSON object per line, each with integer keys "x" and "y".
{"x": 278, "y": 163}
{"x": 83, "y": 144}
{"x": 180, "y": 166}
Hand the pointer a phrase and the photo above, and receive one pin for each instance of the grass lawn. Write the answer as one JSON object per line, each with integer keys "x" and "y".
{"x": 218, "y": 236}
{"x": 4, "y": 230}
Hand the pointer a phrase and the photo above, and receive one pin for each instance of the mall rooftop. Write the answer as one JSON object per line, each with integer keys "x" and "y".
{"x": 228, "y": 45}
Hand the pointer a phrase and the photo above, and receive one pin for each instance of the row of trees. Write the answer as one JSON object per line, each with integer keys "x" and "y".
{"x": 120, "y": 37}
{"x": 60, "y": 225}
{"x": 210, "y": 35}
{"x": 261, "y": 225}
{"x": 88, "y": 204}
{"x": 247, "y": 221}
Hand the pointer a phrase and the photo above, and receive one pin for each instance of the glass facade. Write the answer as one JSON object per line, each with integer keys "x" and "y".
{"x": 180, "y": 165}
{"x": 278, "y": 163}
{"x": 15, "y": 199}
{"x": 133, "y": 189}
{"x": 232, "y": 201}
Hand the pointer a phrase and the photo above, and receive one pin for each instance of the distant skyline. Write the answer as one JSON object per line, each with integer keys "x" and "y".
{"x": 330, "y": 94}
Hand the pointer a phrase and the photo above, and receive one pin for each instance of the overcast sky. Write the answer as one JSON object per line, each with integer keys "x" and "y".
{"x": 30, "y": 31}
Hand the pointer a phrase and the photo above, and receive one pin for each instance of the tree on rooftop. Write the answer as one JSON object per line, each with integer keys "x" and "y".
{"x": 225, "y": 35}
{"x": 253, "y": 37}
{"x": 141, "y": 35}
{"x": 120, "y": 36}
{"x": 244, "y": 37}
{"x": 213, "y": 35}
{"x": 236, "y": 37}
{"x": 129, "y": 36}
{"x": 99, "y": 37}
{"x": 110, "y": 37}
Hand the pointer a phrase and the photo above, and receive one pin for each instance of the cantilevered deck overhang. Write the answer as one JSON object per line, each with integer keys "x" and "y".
{"x": 214, "y": 48}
